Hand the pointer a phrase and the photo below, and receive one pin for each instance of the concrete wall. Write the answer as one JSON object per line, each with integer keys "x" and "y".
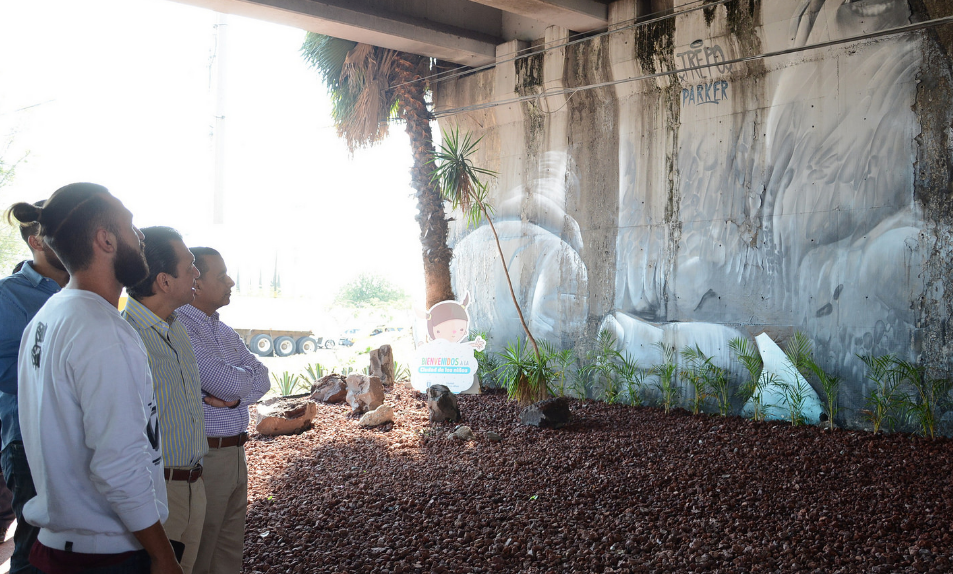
{"x": 809, "y": 191}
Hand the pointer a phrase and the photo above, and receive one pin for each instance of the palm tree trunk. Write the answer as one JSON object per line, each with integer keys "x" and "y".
{"x": 430, "y": 213}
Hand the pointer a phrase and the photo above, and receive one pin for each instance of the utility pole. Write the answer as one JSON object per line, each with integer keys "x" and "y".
{"x": 218, "y": 131}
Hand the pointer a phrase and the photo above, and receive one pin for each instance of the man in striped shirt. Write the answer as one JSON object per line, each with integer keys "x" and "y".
{"x": 230, "y": 373}
{"x": 175, "y": 374}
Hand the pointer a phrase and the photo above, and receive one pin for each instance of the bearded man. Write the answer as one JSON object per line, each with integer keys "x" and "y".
{"x": 88, "y": 413}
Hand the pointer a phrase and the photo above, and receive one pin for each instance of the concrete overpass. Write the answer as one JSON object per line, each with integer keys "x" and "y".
{"x": 465, "y": 32}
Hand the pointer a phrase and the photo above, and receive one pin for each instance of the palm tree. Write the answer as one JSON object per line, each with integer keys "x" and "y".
{"x": 369, "y": 86}
{"x": 460, "y": 184}
{"x": 526, "y": 376}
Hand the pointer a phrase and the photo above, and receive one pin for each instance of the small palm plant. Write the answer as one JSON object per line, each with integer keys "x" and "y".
{"x": 632, "y": 376}
{"x": 831, "y": 384}
{"x": 562, "y": 362}
{"x": 799, "y": 351}
{"x": 600, "y": 368}
{"x": 460, "y": 183}
{"x": 287, "y": 383}
{"x": 696, "y": 372}
{"x": 884, "y": 400}
{"x": 665, "y": 373}
{"x": 749, "y": 357}
{"x": 928, "y": 397}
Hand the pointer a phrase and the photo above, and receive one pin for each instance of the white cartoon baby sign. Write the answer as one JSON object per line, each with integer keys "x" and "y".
{"x": 447, "y": 358}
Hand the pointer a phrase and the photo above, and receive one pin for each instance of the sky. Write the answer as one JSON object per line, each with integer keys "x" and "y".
{"x": 123, "y": 93}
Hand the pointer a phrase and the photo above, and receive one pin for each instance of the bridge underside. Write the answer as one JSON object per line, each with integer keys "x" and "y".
{"x": 461, "y": 31}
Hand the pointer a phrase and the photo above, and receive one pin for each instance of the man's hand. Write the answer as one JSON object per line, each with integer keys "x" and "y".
{"x": 165, "y": 567}
{"x": 219, "y": 403}
{"x": 157, "y": 544}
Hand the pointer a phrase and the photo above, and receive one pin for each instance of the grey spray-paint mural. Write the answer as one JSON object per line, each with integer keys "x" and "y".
{"x": 773, "y": 195}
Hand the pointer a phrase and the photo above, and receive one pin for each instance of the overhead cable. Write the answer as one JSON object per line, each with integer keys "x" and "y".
{"x": 575, "y": 39}
{"x": 888, "y": 32}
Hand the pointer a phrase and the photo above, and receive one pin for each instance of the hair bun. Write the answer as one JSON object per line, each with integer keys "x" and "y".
{"x": 26, "y": 212}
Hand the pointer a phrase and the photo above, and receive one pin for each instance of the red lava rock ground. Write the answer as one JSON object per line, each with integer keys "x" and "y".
{"x": 622, "y": 489}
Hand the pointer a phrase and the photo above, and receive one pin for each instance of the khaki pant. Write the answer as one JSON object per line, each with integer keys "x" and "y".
{"x": 226, "y": 492}
{"x": 186, "y": 517}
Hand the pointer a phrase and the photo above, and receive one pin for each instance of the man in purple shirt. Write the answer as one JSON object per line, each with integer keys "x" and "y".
{"x": 232, "y": 376}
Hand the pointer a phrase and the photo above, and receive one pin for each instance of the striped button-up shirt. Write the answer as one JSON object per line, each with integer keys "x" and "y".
{"x": 175, "y": 375}
{"x": 227, "y": 369}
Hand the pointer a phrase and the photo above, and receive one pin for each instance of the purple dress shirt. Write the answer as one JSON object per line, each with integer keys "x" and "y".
{"x": 227, "y": 370}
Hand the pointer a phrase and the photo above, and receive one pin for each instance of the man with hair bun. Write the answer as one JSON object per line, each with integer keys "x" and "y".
{"x": 88, "y": 413}
{"x": 21, "y": 296}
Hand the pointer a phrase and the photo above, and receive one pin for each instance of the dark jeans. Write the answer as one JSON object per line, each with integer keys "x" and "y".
{"x": 59, "y": 561}
{"x": 6, "y": 507}
{"x": 16, "y": 471}
{"x": 139, "y": 563}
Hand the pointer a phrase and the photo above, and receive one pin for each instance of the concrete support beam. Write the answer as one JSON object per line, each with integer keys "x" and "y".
{"x": 356, "y": 23}
{"x": 577, "y": 15}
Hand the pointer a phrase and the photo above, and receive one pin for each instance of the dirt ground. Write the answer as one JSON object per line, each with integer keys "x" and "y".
{"x": 622, "y": 489}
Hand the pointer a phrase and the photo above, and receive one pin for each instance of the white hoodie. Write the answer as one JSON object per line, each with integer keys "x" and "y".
{"x": 90, "y": 427}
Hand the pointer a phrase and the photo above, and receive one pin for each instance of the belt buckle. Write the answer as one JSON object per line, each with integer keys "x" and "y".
{"x": 195, "y": 473}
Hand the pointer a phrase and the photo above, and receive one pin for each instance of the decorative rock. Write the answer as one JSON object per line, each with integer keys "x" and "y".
{"x": 381, "y": 415}
{"x": 382, "y": 364}
{"x": 551, "y": 413}
{"x": 329, "y": 389}
{"x": 442, "y": 404}
{"x": 280, "y": 416}
{"x": 463, "y": 433}
{"x": 364, "y": 393}
{"x": 493, "y": 436}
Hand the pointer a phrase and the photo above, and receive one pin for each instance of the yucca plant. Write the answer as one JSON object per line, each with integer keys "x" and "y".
{"x": 460, "y": 184}
{"x": 313, "y": 373}
{"x": 287, "y": 383}
{"x": 666, "y": 382}
{"x": 524, "y": 374}
{"x": 401, "y": 372}
{"x": 923, "y": 405}
{"x": 884, "y": 401}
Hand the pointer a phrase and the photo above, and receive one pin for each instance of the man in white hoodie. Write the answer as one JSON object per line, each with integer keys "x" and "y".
{"x": 88, "y": 412}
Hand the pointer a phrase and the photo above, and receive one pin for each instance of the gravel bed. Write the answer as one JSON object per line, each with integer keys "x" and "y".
{"x": 622, "y": 489}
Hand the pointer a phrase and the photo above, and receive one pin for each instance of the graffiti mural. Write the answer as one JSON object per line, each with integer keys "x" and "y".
{"x": 763, "y": 196}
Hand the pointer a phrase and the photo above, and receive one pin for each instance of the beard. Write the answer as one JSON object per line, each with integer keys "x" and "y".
{"x": 130, "y": 265}
{"x": 52, "y": 258}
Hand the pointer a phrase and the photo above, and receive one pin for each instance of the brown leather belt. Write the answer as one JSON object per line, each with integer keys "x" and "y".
{"x": 189, "y": 474}
{"x": 225, "y": 441}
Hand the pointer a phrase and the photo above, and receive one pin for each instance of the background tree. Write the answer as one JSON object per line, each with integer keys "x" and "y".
{"x": 372, "y": 291}
{"x": 12, "y": 248}
{"x": 369, "y": 86}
